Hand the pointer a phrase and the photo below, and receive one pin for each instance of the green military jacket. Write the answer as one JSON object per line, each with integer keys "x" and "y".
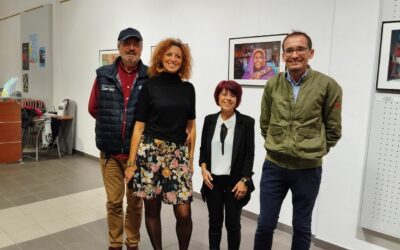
{"x": 299, "y": 133}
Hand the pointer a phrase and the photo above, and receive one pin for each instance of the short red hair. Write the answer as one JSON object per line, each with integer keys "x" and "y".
{"x": 231, "y": 86}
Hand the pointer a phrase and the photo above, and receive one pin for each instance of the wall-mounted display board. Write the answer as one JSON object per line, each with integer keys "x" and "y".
{"x": 380, "y": 209}
{"x": 381, "y": 198}
{"x": 37, "y": 56}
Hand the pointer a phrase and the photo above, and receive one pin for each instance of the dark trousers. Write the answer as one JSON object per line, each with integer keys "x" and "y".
{"x": 275, "y": 183}
{"x": 218, "y": 198}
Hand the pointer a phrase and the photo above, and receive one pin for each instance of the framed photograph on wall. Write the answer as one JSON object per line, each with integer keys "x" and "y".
{"x": 25, "y": 56}
{"x": 107, "y": 56}
{"x": 389, "y": 57}
{"x": 152, "y": 49}
{"x": 254, "y": 60}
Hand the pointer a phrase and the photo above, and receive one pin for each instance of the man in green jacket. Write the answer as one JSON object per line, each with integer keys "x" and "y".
{"x": 300, "y": 121}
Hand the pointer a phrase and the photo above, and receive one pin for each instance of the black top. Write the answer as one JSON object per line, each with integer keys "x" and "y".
{"x": 166, "y": 103}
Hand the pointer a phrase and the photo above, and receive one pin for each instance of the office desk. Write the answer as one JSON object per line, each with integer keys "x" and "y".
{"x": 10, "y": 132}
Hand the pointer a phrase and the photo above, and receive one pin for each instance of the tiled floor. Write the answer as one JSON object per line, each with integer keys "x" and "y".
{"x": 60, "y": 204}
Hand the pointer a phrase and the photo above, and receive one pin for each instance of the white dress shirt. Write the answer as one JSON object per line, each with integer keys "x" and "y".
{"x": 221, "y": 163}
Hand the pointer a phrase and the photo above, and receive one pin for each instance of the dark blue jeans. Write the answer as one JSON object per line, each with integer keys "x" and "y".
{"x": 275, "y": 183}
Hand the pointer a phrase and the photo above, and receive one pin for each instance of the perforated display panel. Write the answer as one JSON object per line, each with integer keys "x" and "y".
{"x": 381, "y": 199}
{"x": 390, "y": 10}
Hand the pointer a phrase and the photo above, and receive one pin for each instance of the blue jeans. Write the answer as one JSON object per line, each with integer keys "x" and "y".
{"x": 275, "y": 183}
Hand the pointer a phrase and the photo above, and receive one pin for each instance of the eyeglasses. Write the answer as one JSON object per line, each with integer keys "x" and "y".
{"x": 299, "y": 51}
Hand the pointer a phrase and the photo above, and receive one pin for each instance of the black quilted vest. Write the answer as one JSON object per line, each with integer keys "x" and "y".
{"x": 111, "y": 107}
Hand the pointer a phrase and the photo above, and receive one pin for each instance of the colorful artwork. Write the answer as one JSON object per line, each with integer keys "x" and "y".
{"x": 108, "y": 56}
{"x": 389, "y": 57}
{"x": 42, "y": 57}
{"x": 253, "y": 60}
{"x": 33, "y": 48}
{"x": 25, "y": 56}
{"x": 25, "y": 83}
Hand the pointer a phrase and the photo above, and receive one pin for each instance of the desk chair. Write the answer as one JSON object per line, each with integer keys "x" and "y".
{"x": 33, "y": 138}
{"x": 39, "y": 139}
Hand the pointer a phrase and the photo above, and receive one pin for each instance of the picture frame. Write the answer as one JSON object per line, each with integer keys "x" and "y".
{"x": 246, "y": 56}
{"x": 25, "y": 56}
{"x": 107, "y": 56}
{"x": 25, "y": 83}
{"x": 152, "y": 49}
{"x": 388, "y": 73}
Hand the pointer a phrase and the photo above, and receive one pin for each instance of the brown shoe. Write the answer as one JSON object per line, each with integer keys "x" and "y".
{"x": 131, "y": 248}
{"x": 114, "y": 248}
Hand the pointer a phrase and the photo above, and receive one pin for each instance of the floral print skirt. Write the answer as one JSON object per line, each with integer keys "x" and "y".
{"x": 163, "y": 171}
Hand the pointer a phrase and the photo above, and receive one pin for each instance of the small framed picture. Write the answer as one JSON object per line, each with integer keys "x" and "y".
{"x": 107, "y": 56}
{"x": 152, "y": 49}
{"x": 25, "y": 83}
{"x": 389, "y": 57}
{"x": 254, "y": 60}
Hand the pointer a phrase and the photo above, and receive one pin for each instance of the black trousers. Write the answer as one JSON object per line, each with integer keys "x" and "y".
{"x": 219, "y": 200}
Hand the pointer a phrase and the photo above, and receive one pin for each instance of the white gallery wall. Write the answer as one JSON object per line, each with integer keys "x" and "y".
{"x": 11, "y": 65}
{"x": 345, "y": 37}
{"x": 11, "y": 13}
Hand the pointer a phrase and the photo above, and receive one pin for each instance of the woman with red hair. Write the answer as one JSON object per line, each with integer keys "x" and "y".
{"x": 226, "y": 161}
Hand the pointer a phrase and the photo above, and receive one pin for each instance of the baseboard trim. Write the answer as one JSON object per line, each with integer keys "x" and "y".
{"x": 197, "y": 196}
{"x": 85, "y": 155}
{"x": 287, "y": 229}
{"x": 253, "y": 216}
{"x": 282, "y": 227}
{"x": 327, "y": 245}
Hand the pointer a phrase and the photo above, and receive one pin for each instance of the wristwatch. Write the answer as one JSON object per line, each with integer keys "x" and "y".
{"x": 130, "y": 163}
{"x": 244, "y": 180}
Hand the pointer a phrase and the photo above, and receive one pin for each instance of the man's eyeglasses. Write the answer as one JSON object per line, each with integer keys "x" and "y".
{"x": 299, "y": 51}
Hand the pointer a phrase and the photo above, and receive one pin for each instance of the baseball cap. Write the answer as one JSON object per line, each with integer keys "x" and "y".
{"x": 128, "y": 33}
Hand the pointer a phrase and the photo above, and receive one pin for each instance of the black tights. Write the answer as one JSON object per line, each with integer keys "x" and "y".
{"x": 152, "y": 211}
{"x": 184, "y": 224}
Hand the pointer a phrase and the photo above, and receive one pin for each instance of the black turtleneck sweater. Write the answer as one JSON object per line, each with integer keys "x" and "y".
{"x": 166, "y": 103}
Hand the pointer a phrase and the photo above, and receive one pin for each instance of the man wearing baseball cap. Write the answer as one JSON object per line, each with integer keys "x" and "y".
{"x": 112, "y": 103}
